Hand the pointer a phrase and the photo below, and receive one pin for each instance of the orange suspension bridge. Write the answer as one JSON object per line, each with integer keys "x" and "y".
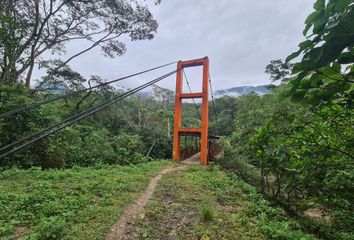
{"x": 195, "y": 139}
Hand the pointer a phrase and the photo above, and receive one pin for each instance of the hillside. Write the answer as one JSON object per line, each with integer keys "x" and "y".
{"x": 232, "y": 92}
{"x": 206, "y": 203}
{"x": 241, "y": 91}
{"x": 83, "y": 203}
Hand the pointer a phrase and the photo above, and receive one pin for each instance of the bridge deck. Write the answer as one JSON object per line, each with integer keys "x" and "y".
{"x": 193, "y": 160}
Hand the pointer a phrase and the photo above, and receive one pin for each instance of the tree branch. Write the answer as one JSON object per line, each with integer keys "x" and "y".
{"x": 103, "y": 39}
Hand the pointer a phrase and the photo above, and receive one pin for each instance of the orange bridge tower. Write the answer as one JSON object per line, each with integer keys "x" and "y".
{"x": 202, "y": 132}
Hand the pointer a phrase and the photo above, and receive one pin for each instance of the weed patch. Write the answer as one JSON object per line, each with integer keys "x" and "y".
{"x": 207, "y": 213}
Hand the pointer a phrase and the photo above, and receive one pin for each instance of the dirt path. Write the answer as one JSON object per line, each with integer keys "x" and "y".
{"x": 193, "y": 160}
{"x": 122, "y": 228}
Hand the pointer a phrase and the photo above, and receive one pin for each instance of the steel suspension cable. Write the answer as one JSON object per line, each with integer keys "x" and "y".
{"x": 37, "y": 104}
{"x": 71, "y": 120}
{"x": 213, "y": 101}
{"x": 190, "y": 90}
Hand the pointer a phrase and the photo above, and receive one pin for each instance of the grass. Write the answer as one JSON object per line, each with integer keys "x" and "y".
{"x": 205, "y": 203}
{"x": 78, "y": 203}
{"x": 207, "y": 213}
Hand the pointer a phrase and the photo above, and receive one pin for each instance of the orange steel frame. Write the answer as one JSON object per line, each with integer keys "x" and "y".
{"x": 178, "y": 130}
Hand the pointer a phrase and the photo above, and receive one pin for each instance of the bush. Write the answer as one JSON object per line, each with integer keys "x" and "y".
{"x": 18, "y": 126}
{"x": 238, "y": 163}
{"x": 51, "y": 228}
{"x": 127, "y": 150}
{"x": 52, "y": 157}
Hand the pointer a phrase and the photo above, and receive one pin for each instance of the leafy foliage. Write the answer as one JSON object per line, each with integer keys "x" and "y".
{"x": 129, "y": 133}
{"x": 304, "y": 155}
{"x": 32, "y": 28}
{"x": 225, "y": 108}
{"x": 326, "y": 70}
{"x": 279, "y": 70}
{"x": 301, "y": 136}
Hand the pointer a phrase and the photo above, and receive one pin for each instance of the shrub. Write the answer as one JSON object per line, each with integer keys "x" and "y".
{"x": 127, "y": 149}
{"x": 51, "y": 228}
{"x": 237, "y": 163}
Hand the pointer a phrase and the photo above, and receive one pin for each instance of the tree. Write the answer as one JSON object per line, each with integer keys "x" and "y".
{"x": 309, "y": 147}
{"x": 226, "y": 109}
{"x": 166, "y": 97}
{"x": 163, "y": 95}
{"x": 29, "y": 29}
{"x": 279, "y": 70}
{"x": 326, "y": 70}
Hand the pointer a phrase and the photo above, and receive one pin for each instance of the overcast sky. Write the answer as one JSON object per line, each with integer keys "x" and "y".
{"x": 239, "y": 37}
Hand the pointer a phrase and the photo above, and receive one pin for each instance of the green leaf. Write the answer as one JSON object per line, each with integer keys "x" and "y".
{"x": 336, "y": 67}
{"x": 305, "y": 45}
{"x": 298, "y": 67}
{"x": 341, "y": 4}
{"x": 313, "y": 56}
{"x": 313, "y": 16}
{"x": 346, "y": 58}
{"x": 307, "y": 28}
{"x": 302, "y": 75}
{"x": 319, "y": 25}
{"x": 331, "y": 72}
{"x": 319, "y": 5}
{"x": 305, "y": 83}
{"x": 293, "y": 55}
{"x": 316, "y": 80}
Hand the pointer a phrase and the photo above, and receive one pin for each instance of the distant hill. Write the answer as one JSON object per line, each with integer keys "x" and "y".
{"x": 232, "y": 92}
{"x": 145, "y": 94}
{"x": 240, "y": 91}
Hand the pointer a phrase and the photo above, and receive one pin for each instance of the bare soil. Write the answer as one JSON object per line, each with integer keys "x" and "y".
{"x": 317, "y": 213}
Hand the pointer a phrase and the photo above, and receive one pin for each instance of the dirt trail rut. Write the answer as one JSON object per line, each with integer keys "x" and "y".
{"x": 121, "y": 229}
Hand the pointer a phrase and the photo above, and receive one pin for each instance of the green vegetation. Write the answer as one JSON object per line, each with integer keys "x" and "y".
{"x": 297, "y": 143}
{"x": 286, "y": 158}
{"x": 32, "y": 29}
{"x": 79, "y": 203}
{"x": 207, "y": 213}
{"x": 127, "y": 133}
{"x": 209, "y": 204}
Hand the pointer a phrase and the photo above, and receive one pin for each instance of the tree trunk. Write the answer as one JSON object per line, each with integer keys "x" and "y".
{"x": 29, "y": 76}
{"x": 139, "y": 118}
{"x": 9, "y": 75}
{"x": 168, "y": 129}
{"x": 262, "y": 177}
{"x": 268, "y": 185}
